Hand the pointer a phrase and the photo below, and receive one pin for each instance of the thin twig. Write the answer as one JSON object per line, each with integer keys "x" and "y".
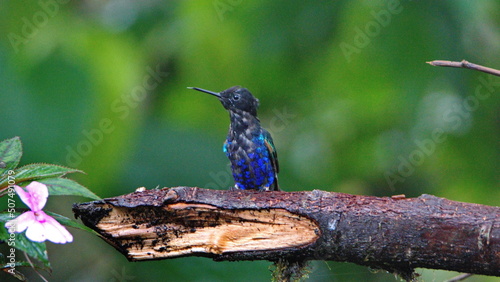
{"x": 464, "y": 64}
{"x": 34, "y": 267}
{"x": 460, "y": 277}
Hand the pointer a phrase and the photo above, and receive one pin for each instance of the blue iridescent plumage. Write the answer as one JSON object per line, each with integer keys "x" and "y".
{"x": 248, "y": 146}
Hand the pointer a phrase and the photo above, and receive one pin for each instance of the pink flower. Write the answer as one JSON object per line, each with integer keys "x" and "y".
{"x": 39, "y": 226}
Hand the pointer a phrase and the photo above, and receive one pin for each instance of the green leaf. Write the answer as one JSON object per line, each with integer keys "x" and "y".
{"x": 65, "y": 186}
{"x": 4, "y": 217}
{"x": 7, "y": 266}
{"x": 69, "y": 222}
{"x": 19, "y": 241}
{"x": 14, "y": 272}
{"x": 11, "y": 151}
{"x": 35, "y": 250}
{"x": 39, "y": 171}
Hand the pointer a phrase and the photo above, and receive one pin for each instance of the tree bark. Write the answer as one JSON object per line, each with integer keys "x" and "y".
{"x": 395, "y": 233}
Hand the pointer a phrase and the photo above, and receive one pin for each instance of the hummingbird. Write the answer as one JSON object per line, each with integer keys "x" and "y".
{"x": 249, "y": 147}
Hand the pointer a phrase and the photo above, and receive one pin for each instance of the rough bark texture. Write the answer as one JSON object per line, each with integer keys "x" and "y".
{"x": 397, "y": 234}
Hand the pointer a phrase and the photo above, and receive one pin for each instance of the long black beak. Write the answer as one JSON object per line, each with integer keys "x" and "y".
{"x": 206, "y": 91}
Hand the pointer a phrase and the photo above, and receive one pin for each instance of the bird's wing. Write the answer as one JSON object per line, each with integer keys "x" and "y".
{"x": 268, "y": 141}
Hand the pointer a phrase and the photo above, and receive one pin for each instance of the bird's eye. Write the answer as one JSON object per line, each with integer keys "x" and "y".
{"x": 236, "y": 97}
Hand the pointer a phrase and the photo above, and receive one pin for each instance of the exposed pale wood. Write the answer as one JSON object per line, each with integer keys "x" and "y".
{"x": 182, "y": 229}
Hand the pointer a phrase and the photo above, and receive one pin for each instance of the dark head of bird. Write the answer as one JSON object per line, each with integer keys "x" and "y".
{"x": 235, "y": 99}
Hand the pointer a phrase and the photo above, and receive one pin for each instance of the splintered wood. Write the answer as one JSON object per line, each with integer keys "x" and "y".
{"x": 182, "y": 229}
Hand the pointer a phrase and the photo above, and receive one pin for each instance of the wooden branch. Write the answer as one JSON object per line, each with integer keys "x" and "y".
{"x": 464, "y": 64}
{"x": 396, "y": 233}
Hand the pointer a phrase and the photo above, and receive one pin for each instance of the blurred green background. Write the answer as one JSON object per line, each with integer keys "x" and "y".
{"x": 343, "y": 85}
